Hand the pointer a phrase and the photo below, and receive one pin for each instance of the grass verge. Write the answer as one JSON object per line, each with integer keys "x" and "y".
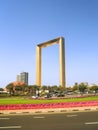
{"x": 21, "y": 100}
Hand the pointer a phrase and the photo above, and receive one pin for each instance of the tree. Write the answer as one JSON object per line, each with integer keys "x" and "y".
{"x": 21, "y": 89}
{"x": 1, "y": 89}
{"x": 83, "y": 87}
{"x": 94, "y": 88}
{"x": 18, "y": 90}
{"x": 32, "y": 89}
{"x": 75, "y": 87}
{"x": 55, "y": 88}
{"x": 10, "y": 88}
{"x": 44, "y": 87}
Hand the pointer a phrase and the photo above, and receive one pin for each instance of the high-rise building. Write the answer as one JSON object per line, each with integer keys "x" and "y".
{"x": 18, "y": 78}
{"x": 23, "y": 77}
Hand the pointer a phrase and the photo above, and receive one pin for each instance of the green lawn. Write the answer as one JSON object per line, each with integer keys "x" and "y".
{"x": 20, "y": 100}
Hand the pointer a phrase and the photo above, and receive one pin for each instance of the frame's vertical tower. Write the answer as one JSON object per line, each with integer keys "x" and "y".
{"x": 62, "y": 62}
{"x": 59, "y": 40}
{"x": 38, "y": 66}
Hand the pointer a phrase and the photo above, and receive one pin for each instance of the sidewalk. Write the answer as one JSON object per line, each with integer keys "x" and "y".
{"x": 48, "y": 110}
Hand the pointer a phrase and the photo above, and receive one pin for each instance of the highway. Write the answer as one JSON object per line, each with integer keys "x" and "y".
{"x": 62, "y": 121}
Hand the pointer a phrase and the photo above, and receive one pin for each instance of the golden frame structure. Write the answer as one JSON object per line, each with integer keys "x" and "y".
{"x": 39, "y": 47}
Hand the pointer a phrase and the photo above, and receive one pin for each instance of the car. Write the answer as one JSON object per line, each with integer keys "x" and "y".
{"x": 34, "y": 97}
{"x": 60, "y": 95}
{"x": 47, "y": 96}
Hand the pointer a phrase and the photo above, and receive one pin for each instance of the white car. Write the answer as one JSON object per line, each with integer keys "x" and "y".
{"x": 34, "y": 97}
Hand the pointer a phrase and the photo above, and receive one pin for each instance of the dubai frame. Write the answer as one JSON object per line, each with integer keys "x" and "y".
{"x": 39, "y": 47}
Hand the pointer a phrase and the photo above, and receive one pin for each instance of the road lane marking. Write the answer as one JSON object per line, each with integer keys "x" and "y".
{"x": 4, "y": 118}
{"x": 91, "y": 123}
{"x": 10, "y": 127}
{"x": 72, "y": 115}
{"x": 39, "y": 117}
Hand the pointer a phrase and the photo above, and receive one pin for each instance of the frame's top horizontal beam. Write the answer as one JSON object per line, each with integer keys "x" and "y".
{"x": 49, "y": 43}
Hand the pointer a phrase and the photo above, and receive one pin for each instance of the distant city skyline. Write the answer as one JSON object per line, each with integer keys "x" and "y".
{"x": 26, "y": 23}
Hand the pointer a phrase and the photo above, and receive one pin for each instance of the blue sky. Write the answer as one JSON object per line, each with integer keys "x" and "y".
{"x": 26, "y": 23}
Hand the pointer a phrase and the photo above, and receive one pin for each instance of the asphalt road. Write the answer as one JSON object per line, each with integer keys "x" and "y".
{"x": 64, "y": 121}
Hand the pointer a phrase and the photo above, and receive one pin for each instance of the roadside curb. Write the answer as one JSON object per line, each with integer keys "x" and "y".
{"x": 47, "y": 111}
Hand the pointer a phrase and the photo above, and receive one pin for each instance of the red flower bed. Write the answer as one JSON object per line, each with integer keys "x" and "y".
{"x": 49, "y": 105}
